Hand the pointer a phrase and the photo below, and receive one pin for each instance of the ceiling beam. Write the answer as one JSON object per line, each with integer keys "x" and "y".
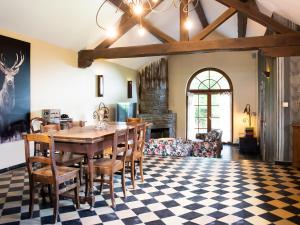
{"x": 242, "y": 25}
{"x": 200, "y": 12}
{"x": 214, "y": 25}
{"x": 282, "y": 51}
{"x": 185, "y": 47}
{"x": 163, "y": 37}
{"x": 183, "y": 15}
{"x": 127, "y": 22}
{"x": 251, "y": 12}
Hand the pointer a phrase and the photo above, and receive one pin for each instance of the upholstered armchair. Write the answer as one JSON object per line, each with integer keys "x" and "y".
{"x": 212, "y": 139}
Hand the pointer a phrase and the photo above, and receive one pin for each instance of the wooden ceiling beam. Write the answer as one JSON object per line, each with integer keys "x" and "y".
{"x": 282, "y": 51}
{"x": 214, "y": 25}
{"x": 186, "y": 47}
{"x": 127, "y": 22}
{"x": 242, "y": 25}
{"x": 200, "y": 12}
{"x": 250, "y": 10}
{"x": 163, "y": 37}
{"x": 183, "y": 15}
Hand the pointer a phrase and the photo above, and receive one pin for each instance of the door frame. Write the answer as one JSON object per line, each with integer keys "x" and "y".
{"x": 206, "y": 92}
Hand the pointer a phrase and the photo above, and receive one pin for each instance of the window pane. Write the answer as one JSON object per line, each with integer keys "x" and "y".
{"x": 215, "y": 123}
{"x": 202, "y": 131}
{"x": 200, "y": 100}
{"x": 202, "y": 123}
{"x": 224, "y": 83}
{"x": 203, "y": 75}
{"x": 215, "y": 99}
{"x": 215, "y": 86}
{"x": 215, "y": 111}
{"x": 201, "y": 111}
{"x": 214, "y": 75}
{"x": 195, "y": 84}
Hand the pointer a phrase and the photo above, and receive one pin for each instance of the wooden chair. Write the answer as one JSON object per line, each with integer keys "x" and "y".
{"x": 35, "y": 127}
{"x": 134, "y": 120}
{"x": 109, "y": 166}
{"x": 136, "y": 151}
{"x": 65, "y": 158}
{"x": 51, "y": 174}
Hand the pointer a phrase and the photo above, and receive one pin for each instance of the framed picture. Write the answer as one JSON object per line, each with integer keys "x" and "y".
{"x": 14, "y": 89}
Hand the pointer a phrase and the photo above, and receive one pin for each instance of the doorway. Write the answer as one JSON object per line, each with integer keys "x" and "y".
{"x": 209, "y": 103}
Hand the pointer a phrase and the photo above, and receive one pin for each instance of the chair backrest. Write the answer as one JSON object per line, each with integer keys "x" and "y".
{"x": 50, "y": 127}
{"x": 120, "y": 139}
{"x": 139, "y": 138}
{"x": 79, "y": 123}
{"x": 30, "y": 160}
{"x": 134, "y": 120}
{"x": 36, "y": 123}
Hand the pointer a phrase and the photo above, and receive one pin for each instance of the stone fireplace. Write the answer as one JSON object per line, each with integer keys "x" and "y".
{"x": 153, "y": 100}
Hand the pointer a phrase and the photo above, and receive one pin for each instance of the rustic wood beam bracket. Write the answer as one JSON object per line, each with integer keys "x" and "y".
{"x": 85, "y": 58}
{"x": 214, "y": 25}
{"x": 200, "y": 13}
{"x": 242, "y": 25}
{"x": 250, "y": 10}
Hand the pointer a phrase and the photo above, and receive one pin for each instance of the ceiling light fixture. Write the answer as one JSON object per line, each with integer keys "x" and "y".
{"x": 140, "y": 7}
{"x": 188, "y": 24}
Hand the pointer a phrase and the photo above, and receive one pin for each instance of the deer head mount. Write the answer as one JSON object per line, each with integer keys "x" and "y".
{"x": 10, "y": 72}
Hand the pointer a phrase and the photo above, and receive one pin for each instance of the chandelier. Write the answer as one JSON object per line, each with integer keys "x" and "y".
{"x": 140, "y": 8}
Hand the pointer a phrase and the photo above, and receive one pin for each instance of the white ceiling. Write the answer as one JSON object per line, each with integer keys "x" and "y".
{"x": 71, "y": 23}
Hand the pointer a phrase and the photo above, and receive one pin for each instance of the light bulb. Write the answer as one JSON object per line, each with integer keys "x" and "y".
{"x": 141, "y": 31}
{"x": 111, "y": 32}
{"x": 138, "y": 9}
{"x": 155, "y": 1}
{"x": 188, "y": 24}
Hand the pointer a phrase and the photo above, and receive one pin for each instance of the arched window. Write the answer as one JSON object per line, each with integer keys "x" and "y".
{"x": 209, "y": 97}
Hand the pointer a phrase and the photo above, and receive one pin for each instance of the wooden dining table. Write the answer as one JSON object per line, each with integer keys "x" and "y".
{"x": 89, "y": 141}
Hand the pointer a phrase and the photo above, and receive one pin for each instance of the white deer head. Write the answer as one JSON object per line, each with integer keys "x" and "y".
{"x": 10, "y": 72}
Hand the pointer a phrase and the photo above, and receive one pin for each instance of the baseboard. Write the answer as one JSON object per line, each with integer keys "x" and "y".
{"x": 284, "y": 163}
{"x": 12, "y": 168}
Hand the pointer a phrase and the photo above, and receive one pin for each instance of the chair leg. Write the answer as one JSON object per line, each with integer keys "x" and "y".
{"x": 86, "y": 184}
{"x": 76, "y": 191}
{"x": 31, "y": 200}
{"x": 80, "y": 173}
{"x": 55, "y": 202}
{"x": 141, "y": 169}
{"x": 101, "y": 183}
{"x": 132, "y": 174}
{"x": 111, "y": 187}
{"x": 123, "y": 182}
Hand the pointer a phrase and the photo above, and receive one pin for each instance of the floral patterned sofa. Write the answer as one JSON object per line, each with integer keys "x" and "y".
{"x": 180, "y": 147}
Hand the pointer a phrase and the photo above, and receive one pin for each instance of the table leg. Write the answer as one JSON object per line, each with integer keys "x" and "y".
{"x": 91, "y": 196}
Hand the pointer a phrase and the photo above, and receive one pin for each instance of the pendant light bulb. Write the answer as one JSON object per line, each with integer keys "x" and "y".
{"x": 188, "y": 24}
{"x": 138, "y": 9}
{"x": 111, "y": 32}
{"x": 141, "y": 31}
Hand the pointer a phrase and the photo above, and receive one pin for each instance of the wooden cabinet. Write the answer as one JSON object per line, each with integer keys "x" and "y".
{"x": 296, "y": 145}
{"x": 248, "y": 145}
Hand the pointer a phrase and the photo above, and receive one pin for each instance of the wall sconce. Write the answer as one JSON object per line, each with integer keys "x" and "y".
{"x": 129, "y": 89}
{"x": 267, "y": 74}
{"x": 100, "y": 85}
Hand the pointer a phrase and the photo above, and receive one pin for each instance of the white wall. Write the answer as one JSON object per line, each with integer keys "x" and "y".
{"x": 56, "y": 82}
{"x": 241, "y": 67}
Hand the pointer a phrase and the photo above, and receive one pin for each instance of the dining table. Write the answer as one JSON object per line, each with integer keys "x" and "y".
{"x": 89, "y": 140}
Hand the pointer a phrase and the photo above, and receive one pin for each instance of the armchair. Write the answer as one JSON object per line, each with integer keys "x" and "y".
{"x": 214, "y": 139}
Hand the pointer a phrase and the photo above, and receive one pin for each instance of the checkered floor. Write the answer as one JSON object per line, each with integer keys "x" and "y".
{"x": 175, "y": 191}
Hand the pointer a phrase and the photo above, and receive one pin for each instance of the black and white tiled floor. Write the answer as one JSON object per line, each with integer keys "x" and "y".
{"x": 175, "y": 191}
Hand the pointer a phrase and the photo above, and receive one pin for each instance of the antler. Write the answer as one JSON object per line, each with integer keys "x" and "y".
{"x": 18, "y": 64}
{"x": 15, "y": 68}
